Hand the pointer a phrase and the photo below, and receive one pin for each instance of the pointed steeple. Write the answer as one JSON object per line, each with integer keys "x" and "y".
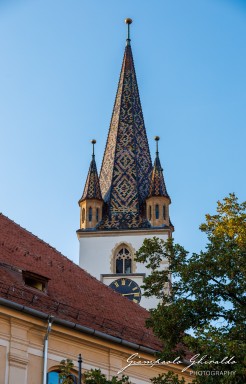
{"x": 157, "y": 184}
{"x": 92, "y": 186}
{"x": 91, "y": 202}
{"x": 126, "y": 167}
{"x": 158, "y": 201}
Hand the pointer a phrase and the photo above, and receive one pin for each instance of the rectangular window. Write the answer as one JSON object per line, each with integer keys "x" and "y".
{"x": 128, "y": 266}
{"x": 157, "y": 211}
{"x": 90, "y": 214}
{"x": 35, "y": 281}
{"x": 119, "y": 265}
{"x": 164, "y": 212}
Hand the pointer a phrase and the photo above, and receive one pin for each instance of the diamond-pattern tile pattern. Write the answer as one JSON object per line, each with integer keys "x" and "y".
{"x": 157, "y": 185}
{"x": 126, "y": 167}
{"x": 92, "y": 188}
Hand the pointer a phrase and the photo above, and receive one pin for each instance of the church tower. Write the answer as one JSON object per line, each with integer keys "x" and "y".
{"x": 128, "y": 202}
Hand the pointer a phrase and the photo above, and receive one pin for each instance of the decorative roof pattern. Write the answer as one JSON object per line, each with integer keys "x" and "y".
{"x": 92, "y": 186}
{"x": 126, "y": 167}
{"x": 157, "y": 184}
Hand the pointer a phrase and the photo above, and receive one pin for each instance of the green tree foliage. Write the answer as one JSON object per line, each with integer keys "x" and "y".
{"x": 204, "y": 310}
{"x": 95, "y": 376}
{"x": 65, "y": 368}
{"x": 167, "y": 378}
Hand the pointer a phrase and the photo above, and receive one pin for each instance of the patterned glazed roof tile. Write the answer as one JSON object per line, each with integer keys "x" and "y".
{"x": 157, "y": 184}
{"x": 72, "y": 294}
{"x": 92, "y": 186}
{"x": 126, "y": 167}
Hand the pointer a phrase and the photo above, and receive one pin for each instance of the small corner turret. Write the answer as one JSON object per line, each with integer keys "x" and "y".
{"x": 158, "y": 200}
{"x": 91, "y": 202}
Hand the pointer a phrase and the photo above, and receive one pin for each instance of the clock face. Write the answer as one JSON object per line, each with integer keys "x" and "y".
{"x": 128, "y": 288}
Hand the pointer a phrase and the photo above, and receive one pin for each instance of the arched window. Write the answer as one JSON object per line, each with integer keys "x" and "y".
{"x": 164, "y": 212}
{"x": 97, "y": 215}
{"x": 90, "y": 214}
{"x": 53, "y": 378}
{"x": 150, "y": 213}
{"x": 83, "y": 215}
{"x": 157, "y": 211}
{"x": 123, "y": 261}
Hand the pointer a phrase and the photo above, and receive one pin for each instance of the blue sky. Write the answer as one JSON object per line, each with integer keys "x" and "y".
{"x": 59, "y": 69}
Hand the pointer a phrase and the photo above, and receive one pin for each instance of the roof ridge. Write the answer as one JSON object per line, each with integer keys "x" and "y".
{"x": 32, "y": 234}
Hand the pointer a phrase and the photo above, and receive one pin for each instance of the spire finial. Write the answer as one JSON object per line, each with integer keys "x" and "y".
{"x": 157, "y": 138}
{"x": 128, "y": 21}
{"x": 93, "y": 142}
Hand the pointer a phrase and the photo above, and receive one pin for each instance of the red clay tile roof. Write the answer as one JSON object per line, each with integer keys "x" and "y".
{"x": 72, "y": 294}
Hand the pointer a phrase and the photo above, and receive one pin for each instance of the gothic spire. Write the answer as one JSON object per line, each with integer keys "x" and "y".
{"x": 157, "y": 184}
{"x": 92, "y": 186}
{"x": 126, "y": 167}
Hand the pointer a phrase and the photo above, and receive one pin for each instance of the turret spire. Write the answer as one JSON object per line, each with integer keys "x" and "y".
{"x": 92, "y": 187}
{"x": 157, "y": 185}
{"x": 158, "y": 201}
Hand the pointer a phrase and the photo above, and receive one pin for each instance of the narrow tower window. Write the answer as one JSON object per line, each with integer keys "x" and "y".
{"x": 119, "y": 265}
{"x": 123, "y": 261}
{"x": 157, "y": 211}
{"x": 90, "y": 214}
{"x": 97, "y": 215}
{"x": 83, "y": 215}
{"x": 164, "y": 212}
{"x": 150, "y": 215}
{"x": 128, "y": 265}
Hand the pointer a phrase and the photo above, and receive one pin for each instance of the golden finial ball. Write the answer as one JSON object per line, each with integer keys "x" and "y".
{"x": 157, "y": 138}
{"x": 93, "y": 141}
{"x": 128, "y": 21}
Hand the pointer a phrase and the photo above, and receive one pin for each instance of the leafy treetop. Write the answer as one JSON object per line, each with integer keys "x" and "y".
{"x": 203, "y": 308}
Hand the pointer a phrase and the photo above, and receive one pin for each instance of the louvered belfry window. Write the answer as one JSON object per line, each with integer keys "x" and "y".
{"x": 157, "y": 211}
{"x": 90, "y": 214}
{"x": 83, "y": 215}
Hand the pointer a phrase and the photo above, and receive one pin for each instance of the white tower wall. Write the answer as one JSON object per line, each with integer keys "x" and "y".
{"x": 97, "y": 251}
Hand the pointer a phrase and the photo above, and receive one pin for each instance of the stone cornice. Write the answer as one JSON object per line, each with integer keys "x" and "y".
{"x": 15, "y": 360}
{"x": 131, "y": 232}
